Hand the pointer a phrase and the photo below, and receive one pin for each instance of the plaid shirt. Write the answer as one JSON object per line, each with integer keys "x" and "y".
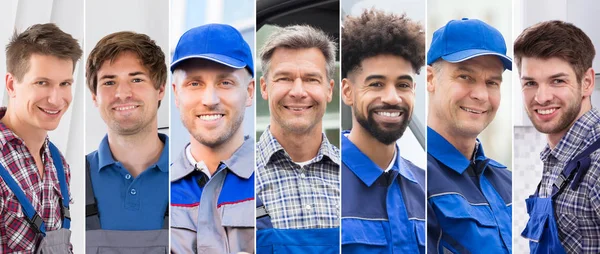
{"x": 578, "y": 211}
{"x": 298, "y": 197}
{"x": 16, "y": 234}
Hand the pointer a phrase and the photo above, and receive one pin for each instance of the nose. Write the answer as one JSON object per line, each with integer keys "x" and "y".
{"x": 390, "y": 95}
{"x": 479, "y": 92}
{"x": 543, "y": 94}
{"x": 210, "y": 96}
{"x": 54, "y": 96}
{"x": 298, "y": 90}
{"x": 123, "y": 90}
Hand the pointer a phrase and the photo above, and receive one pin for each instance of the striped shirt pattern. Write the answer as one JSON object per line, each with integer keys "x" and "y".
{"x": 298, "y": 197}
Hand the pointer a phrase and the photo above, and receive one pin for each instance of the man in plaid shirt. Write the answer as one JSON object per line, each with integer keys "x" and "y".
{"x": 40, "y": 65}
{"x": 557, "y": 80}
{"x": 297, "y": 168}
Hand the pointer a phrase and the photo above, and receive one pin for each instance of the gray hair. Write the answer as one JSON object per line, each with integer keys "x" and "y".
{"x": 299, "y": 37}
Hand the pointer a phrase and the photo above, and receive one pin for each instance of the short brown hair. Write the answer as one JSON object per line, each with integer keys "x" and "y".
{"x": 44, "y": 39}
{"x": 556, "y": 39}
{"x": 375, "y": 33}
{"x": 112, "y": 45}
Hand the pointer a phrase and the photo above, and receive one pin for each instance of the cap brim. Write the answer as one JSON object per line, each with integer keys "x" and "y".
{"x": 221, "y": 59}
{"x": 471, "y": 53}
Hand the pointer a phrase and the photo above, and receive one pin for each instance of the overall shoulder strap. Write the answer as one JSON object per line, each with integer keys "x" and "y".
{"x": 263, "y": 219}
{"x": 575, "y": 169}
{"x": 92, "y": 219}
{"x": 34, "y": 219}
{"x": 64, "y": 186}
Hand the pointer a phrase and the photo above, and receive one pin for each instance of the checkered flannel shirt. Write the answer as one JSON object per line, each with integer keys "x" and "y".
{"x": 298, "y": 197}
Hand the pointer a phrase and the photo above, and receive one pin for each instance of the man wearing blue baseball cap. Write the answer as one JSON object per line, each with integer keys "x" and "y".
{"x": 212, "y": 180}
{"x": 469, "y": 195}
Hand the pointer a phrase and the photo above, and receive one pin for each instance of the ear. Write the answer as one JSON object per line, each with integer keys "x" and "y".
{"x": 250, "y": 98}
{"x": 161, "y": 91}
{"x": 10, "y": 85}
{"x": 347, "y": 92}
{"x": 430, "y": 79}
{"x": 330, "y": 92}
{"x": 174, "y": 86}
{"x": 263, "y": 88}
{"x": 95, "y": 99}
{"x": 588, "y": 83}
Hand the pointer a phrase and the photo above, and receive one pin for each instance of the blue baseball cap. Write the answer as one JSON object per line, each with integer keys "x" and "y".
{"x": 461, "y": 40}
{"x": 215, "y": 42}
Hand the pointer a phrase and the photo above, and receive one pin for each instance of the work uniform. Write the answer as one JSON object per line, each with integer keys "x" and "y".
{"x": 298, "y": 208}
{"x": 213, "y": 214}
{"x": 565, "y": 208}
{"x": 383, "y": 210}
{"x": 469, "y": 201}
{"x": 123, "y": 213}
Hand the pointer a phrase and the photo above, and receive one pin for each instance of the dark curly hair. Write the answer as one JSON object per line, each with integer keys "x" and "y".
{"x": 375, "y": 33}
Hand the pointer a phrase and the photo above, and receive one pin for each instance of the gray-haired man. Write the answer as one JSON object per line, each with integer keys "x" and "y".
{"x": 298, "y": 186}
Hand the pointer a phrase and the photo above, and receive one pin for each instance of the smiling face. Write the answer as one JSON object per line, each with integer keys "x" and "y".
{"x": 381, "y": 93}
{"x": 297, "y": 89}
{"x": 212, "y": 99}
{"x": 464, "y": 96}
{"x": 126, "y": 96}
{"x": 43, "y": 95}
{"x": 552, "y": 94}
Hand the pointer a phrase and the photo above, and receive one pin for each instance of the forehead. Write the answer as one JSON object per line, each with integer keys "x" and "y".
{"x": 307, "y": 59}
{"x": 50, "y": 67}
{"x": 126, "y": 61}
{"x": 387, "y": 65}
{"x": 533, "y": 67}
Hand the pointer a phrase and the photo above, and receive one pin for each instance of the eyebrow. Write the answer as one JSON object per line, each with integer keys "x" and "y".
{"x": 47, "y": 79}
{"x": 114, "y": 76}
{"x": 469, "y": 70}
{"x": 378, "y": 76}
{"x": 557, "y": 75}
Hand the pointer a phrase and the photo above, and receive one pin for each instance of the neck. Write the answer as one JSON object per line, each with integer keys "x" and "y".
{"x": 32, "y": 137}
{"x": 137, "y": 151}
{"x": 464, "y": 144}
{"x": 381, "y": 154}
{"x": 300, "y": 146}
{"x": 554, "y": 138}
{"x": 212, "y": 156}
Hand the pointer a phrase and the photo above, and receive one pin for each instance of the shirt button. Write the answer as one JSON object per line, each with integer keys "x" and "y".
{"x": 308, "y": 207}
{"x": 303, "y": 175}
{"x": 133, "y": 192}
{"x": 128, "y": 176}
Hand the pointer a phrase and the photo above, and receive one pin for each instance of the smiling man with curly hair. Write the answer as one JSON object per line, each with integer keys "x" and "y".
{"x": 383, "y": 197}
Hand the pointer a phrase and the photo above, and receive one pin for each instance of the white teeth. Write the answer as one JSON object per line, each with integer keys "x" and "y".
{"x": 546, "y": 111}
{"x": 297, "y": 109}
{"x": 50, "y": 112}
{"x": 389, "y": 114}
{"x": 210, "y": 117}
{"x": 471, "y": 110}
{"x": 124, "y": 108}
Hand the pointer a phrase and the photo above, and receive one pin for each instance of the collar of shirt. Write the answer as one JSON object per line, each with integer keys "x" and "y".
{"x": 447, "y": 154}
{"x": 240, "y": 163}
{"x": 268, "y": 146}
{"x": 7, "y": 135}
{"x": 363, "y": 166}
{"x": 581, "y": 131}
{"x": 105, "y": 157}
{"x": 197, "y": 164}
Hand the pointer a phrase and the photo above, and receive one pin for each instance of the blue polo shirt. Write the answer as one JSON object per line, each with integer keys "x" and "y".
{"x": 125, "y": 202}
{"x": 469, "y": 201}
{"x": 381, "y": 212}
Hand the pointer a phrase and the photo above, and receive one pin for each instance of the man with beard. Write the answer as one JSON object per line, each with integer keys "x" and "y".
{"x": 297, "y": 186}
{"x": 382, "y": 53}
{"x": 557, "y": 80}
{"x": 469, "y": 195}
{"x": 127, "y": 177}
{"x": 212, "y": 180}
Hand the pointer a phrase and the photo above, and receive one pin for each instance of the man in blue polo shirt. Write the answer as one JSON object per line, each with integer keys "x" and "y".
{"x": 212, "y": 179}
{"x": 127, "y": 177}
{"x": 383, "y": 194}
{"x": 469, "y": 195}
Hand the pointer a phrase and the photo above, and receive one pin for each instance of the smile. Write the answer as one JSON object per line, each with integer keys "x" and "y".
{"x": 546, "y": 111}
{"x": 51, "y": 112}
{"x": 210, "y": 117}
{"x": 389, "y": 114}
{"x": 297, "y": 108}
{"x": 123, "y": 108}
{"x": 470, "y": 110}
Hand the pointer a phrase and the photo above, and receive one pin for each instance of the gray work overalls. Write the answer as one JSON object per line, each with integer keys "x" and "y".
{"x": 49, "y": 242}
{"x": 99, "y": 240}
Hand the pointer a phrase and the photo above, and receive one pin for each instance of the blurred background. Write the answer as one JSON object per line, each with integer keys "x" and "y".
{"x": 103, "y": 17}
{"x": 412, "y": 143}
{"x": 18, "y": 15}
{"x": 528, "y": 142}
{"x": 187, "y": 14}
{"x": 322, "y": 14}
